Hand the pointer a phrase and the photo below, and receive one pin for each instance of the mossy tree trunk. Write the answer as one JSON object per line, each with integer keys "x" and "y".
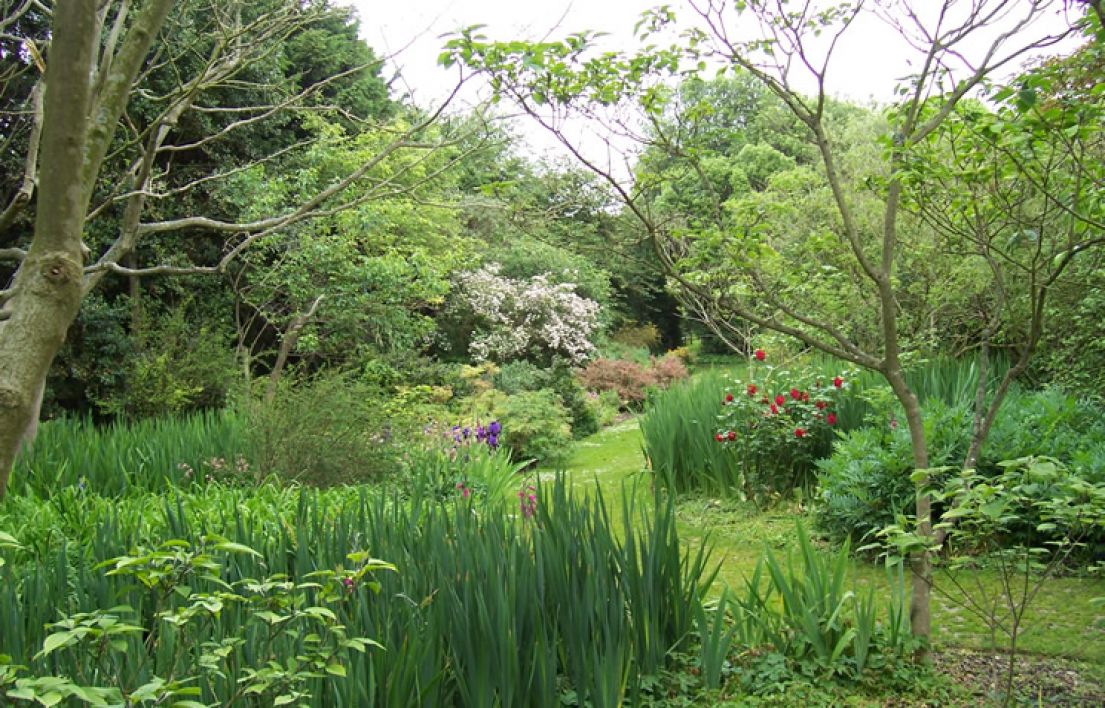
{"x": 77, "y": 128}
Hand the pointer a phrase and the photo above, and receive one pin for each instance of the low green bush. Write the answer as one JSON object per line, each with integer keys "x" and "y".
{"x": 536, "y": 425}
{"x": 332, "y": 429}
{"x": 865, "y": 485}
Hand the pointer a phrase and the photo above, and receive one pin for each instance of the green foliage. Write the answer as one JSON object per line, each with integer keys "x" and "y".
{"x": 866, "y": 485}
{"x": 518, "y": 376}
{"x": 805, "y": 612}
{"x": 331, "y": 429}
{"x": 127, "y": 457}
{"x": 177, "y": 366}
{"x": 637, "y": 336}
{"x": 588, "y": 608}
{"x": 182, "y": 660}
{"x": 778, "y": 423}
{"x": 536, "y": 425}
{"x": 678, "y": 430}
{"x": 989, "y": 519}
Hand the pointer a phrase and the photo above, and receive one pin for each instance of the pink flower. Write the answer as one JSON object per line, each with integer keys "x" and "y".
{"x": 795, "y": 394}
{"x": 780, "y": 399}
{"x": 831, "y": 419}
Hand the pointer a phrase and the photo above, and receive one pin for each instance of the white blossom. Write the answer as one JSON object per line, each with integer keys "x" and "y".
{"x": 518, "y": 318}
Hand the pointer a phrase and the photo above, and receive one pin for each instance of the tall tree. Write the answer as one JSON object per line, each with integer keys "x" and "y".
{"x": 958, "y": 44}
{"x": 147, "y": 87}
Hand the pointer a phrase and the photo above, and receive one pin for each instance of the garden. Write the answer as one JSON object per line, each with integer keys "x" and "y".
{"x": 314, "y": 394}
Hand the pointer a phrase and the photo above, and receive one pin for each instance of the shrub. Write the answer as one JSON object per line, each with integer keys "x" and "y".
{"x": 668, "y": 369}
{"x": 604, "y": 407}
{"x": 517, "y": 376}
{"x": 536, "y": 425}
{"x": 865, "y": 484}
{"x": 532, "y": 318}
{"x": 628, "y": 379}
{"x": 176, "y": 369}
{"x": 637, "y": 336}
{"x": 329, "y": 430}
{"x": 777, "y": 424}
{"x": 631, "y": 380}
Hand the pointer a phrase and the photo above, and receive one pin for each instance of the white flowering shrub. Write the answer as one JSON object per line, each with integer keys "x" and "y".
{"x": 525, "y": 318}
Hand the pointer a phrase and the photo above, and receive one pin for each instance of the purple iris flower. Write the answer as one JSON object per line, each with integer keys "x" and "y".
{"x": 492, "y": 440}
{"x": 494, "y": 428}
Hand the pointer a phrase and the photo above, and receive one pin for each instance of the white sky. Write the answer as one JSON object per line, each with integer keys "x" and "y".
{"x": 866, "y": 65}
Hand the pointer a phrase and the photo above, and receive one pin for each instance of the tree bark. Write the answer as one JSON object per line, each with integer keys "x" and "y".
{"x": 920, "y": 562}
{"x": 286, "y": 346}
{"x": 47, "y": 291}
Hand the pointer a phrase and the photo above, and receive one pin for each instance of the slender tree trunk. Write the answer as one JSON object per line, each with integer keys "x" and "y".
{"x": 920, "y": 605}
{"x": 47, "y": 289}
{"x": 286, "y": 346}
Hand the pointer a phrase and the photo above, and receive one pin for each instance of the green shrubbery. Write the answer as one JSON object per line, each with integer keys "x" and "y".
{"x": 331, "y": 429}
{"x": 866, "y": 485}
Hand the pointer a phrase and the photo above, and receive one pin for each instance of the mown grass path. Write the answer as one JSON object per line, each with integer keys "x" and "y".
{"x": 1062, "y": 621}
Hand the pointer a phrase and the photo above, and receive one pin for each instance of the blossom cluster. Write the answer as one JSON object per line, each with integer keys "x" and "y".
{"x": 527, "y": 502}
{"x": 795, "y": 408}
{"x": 488, "y": 434}
{"x": 523, "y": 318}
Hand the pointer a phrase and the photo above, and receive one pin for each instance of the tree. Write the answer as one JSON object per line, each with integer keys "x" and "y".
{"x": 146, "y": 89}
{"x": 560, "y": 78}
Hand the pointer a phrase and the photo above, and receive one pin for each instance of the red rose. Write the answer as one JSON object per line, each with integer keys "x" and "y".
{"x": 780, "y": 400}
{"x": 752, "y": 389}
{"x": 719, "y": 437}
{"x": 821, "y": 405}
{"x": 732, "y": 435}
{"x": 795, "y": 394}
{"x": 774, "y": 409}
{"x": 760, "y": 354}
{"x": 799, "y": 432}
{"x": 728, "y": 398}
{"x": 838, "y": 382}
{"x": 831, "y": 419}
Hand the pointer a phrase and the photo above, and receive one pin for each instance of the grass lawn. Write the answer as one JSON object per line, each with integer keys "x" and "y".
{"x": 1062, "y": 621}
